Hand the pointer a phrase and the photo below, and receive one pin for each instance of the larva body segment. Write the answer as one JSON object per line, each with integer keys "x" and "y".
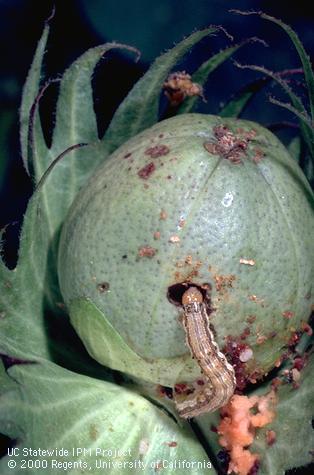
{"x": 219, "y": 375}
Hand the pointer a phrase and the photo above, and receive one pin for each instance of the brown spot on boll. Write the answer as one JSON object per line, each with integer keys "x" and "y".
{"x": 228, "y": 145}
{"x": 146, "y": 171}
{"x": 287, "y": 314}
{"x": 261, "y": 339}
{"x": 177, "y": 277}
{"x": 246, "y": 332}
{"x": 258, "y": 155}
{"x": 188, "y": 260}
{"x": 307, "y": 328}
{"x": 180, "y": 264}
{"x": 232, "y": 349}
{"x": 172, "y": 444}
{"x": 93, "y": 432}
{"x": 276, "y": 382}
{"x": 211, "y": 148}
{"x": 256, "y": 299}
{"x": 163, "y": 215}
{"x": 224, "y": 282}
{"x": 157, "y": 151}
{"x": 164, "y": 391}
{"x": 180, "y": 388}
{"x": 299, "y": 362}
{"x": 147, "y": 251}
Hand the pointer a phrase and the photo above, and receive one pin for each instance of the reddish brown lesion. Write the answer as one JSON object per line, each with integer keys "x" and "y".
{"x": 260, "y": 339}
{"x": 183, "y": 389}
{"x": 163, "y": 215}
{"x": 173, "y": 443}
{"x": 307, "y": 328}
{"x": 146, "y": 171}
{"x": 258, "y": 155}
{"x": 254, "y": 298}
{"x": 224, "y": 282}
{"x": 157, "y": 151}
{"x": 127, "y": 155}
{"x": 246, "y": 332}
{"x": 288, "y": 314}
{"x": 190, "y": 269}
{"x": 228, "y": 145}
{"x": 164, "y": 391}
{"x": 147, "y": 251}
{"x": 233, "y": 349}
{"x": 294, "y": 338}
{"x": 270, "y": 436}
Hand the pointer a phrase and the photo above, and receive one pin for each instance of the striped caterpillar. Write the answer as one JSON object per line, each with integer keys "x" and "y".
{"x": 220, "y": 382}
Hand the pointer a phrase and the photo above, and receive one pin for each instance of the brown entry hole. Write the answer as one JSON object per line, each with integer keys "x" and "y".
{"x": 176, "y": 291}
{"x": 103, "y": 287}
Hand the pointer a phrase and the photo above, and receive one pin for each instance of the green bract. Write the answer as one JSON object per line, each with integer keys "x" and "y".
{"x": 205, "y": 200}
{"x": 199, "y": 199}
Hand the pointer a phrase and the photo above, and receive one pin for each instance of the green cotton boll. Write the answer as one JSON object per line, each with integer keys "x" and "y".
{"x": 193, "y": 199}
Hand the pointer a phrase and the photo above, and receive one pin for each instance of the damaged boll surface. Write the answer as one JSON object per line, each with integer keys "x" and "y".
{"x": 194, "y": 199}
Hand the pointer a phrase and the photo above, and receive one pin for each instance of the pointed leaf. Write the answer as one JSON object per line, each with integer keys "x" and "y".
{"x": 236, "y": 105}
{"x": 306, "y": 129}
{"x": 305, "y": 59}
{"x": 139, "y": 110}
{"x": 32, "y": 290}
{"x": 52, "y": 408}
{"x": 30, "y": 303}
{"x": 294, "y": 148}
{"x": 201, "y": 75}
{"x": 6, "y": 383}
{"x": 75, "y": 116}
{"x": 286, "y": 105}
{"x": 30, "y": 92}
{"x": 38, "y": 152}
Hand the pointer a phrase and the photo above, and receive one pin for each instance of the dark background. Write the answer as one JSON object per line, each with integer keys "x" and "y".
{"x": 151, "y": 26}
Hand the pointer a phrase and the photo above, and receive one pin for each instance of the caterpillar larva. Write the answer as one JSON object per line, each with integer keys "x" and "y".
{"x": 220, "y": 382}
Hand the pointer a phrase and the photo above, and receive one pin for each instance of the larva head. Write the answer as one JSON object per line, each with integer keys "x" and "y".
{"x": 192, "y": 295}
{"x": 194, "y": 199}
